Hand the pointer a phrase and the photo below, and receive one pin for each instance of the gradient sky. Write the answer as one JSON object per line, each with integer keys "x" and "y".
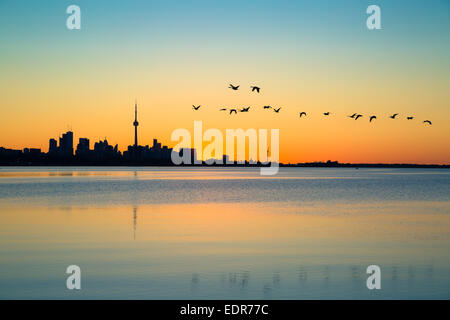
{"x": 312, "y": 56}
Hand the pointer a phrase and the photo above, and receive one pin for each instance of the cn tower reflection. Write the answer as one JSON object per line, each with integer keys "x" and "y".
{"x": 134, "y": 222}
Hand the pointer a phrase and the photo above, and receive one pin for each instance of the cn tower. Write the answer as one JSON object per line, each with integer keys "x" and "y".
{"x": 135, "y": 124}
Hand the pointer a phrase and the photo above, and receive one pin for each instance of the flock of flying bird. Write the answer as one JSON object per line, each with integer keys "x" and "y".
{"x": 354, "y": 116}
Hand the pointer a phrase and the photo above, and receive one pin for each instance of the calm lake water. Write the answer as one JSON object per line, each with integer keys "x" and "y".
{"x": 207, "y": 233}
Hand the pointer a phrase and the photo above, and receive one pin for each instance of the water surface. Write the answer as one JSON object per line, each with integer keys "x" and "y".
{"x": 227, "y": 233}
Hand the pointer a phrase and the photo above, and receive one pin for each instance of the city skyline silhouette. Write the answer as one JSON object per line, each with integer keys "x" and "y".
{"x": 64, "y": 153}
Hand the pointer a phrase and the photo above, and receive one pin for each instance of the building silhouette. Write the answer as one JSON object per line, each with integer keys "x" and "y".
{"x": 32, "y": 151}
{"x": 66, "y": 144}
{"x": 102, "y": 154}
{"x": 65, "y": 148}
{"x": 82, "y": 147}
{"x": 192, "y": 158}
{"x": 135, "y": 124}
{"x": 154, "y": 155}
{"x": 52, "y": 146}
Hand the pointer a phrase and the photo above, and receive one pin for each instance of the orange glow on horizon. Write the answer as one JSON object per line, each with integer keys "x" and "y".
{"x": 98, "y": 109}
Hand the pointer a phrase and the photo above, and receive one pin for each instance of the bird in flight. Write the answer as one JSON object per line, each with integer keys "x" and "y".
{"x": 277, "y": 110}
{"x": 394, "y": 115}
{"x": 410, "y": 118}
{"x": 233, "y": 110}
{"x": 254, "y": 88}
{"x": 195, "y": 108}
{"x": 233, "y": 87}
{"x": 352, "y": 116}
{"x": 223, "y": 109}
{"x": 326, "y": 113}
{"x": 428, "y": 121}
{"x": 302, "y": 114}
{"x": 267, "y": 107}
{"x": 358, "y": 116}
{"x": 372, "y": 118}
{"x": 245, "y": 109}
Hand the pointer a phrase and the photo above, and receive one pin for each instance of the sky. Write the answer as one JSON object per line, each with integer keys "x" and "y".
{"x": 312, "y": 56}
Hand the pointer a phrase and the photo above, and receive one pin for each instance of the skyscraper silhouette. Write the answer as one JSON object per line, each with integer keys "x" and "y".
{"x": 66, "y": 144}
{"x": 135, "y": 124}
{"x": 52, "y": 146}
{"x": 83, "y": 147}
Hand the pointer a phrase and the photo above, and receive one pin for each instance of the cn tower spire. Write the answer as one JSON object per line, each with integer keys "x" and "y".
{"x": 135, "y": 124}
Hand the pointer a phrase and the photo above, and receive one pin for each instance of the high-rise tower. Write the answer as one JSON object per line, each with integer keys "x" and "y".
{"x": 66, "y": 144}
{"x": 135, "y": 124}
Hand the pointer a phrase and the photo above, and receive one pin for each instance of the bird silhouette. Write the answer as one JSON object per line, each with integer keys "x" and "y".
{"x": 233, "y": 110}
{"x": 277, "y": 110}
{"x": 372, "y": 118}
{"x": 352, "y": 116}
{"x": 428, "y": 121}
{"x": 195, "y": 108}
{"x": 245, "y": 109}
{"x": 223, "y": 109}
{"x": 358, "y": 116}
{"x": 267, "y": 107}
{"x": 233, "y": 87}
{"x": 254, "y": 88}
{"x": 302, "y": 114}
{"x": 410, "y": 118}
{"x": 326, "y": 113}
{"x": 394, "y": 115}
